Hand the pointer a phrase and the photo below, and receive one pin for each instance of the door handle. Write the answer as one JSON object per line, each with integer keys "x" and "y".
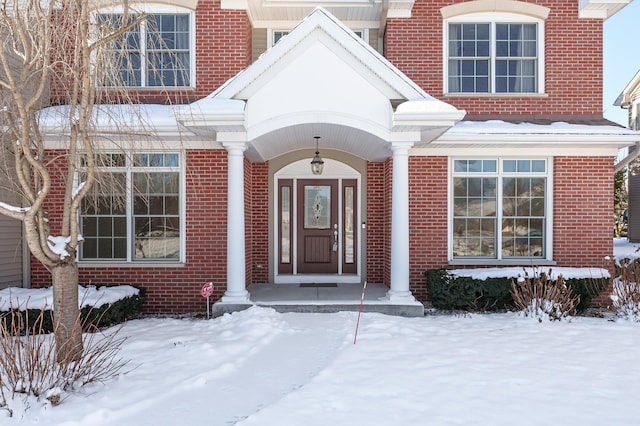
{"x": 335, "y": 237}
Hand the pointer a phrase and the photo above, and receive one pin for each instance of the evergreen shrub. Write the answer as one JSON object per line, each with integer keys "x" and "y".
{"x": 449, "y": 292}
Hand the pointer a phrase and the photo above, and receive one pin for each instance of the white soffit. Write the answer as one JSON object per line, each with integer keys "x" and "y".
{"x": 600, "y": 9}
{"x": 261, "y": 12}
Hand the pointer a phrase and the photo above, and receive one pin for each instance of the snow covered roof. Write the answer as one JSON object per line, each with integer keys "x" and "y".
{"x": 501, "y": 132}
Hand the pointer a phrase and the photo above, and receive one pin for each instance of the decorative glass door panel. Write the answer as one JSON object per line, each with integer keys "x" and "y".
{"x": 317, "y": 203}
{"x": 349, "y": 226}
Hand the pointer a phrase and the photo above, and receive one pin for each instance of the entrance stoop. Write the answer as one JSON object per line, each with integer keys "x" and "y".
{"x": 322, "y": 298}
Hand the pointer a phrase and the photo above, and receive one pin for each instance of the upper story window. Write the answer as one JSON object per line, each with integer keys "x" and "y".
{"x": 276, "y": 35}
{"x": 157, "y": 52}
{"x": 494, "y": 53}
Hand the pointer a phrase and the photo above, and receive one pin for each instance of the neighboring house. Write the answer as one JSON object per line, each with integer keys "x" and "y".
{"x": 13, "y": 259}
{"x": 630, "y": 99}
{"x": 14, "y": 256}
{"x": 453, "y": 134}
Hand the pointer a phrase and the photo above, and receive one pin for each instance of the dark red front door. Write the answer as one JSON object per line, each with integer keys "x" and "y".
{"x": 317, "y": 226}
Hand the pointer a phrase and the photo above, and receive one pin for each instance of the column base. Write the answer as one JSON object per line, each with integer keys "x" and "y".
{"x": 235, "y": 297}
{"x": 396, "y": 296}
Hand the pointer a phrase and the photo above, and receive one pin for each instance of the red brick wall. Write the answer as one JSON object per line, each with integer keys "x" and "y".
{"x": 223, "y": 48}
{"x": 258, "y": 222}
{"x": 583, "y": 211}
{"x": 177, "y": 289}
{"x": 223, "y": 45}
{"x": 583, "y": 214}
{"x": 573, "y": 61}
{"x": 427, "y": 219}
{"x": 388, "y": 183}
{"x": 376, "y": 224}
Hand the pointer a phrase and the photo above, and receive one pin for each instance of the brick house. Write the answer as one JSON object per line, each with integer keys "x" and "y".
{"x": 453, "y": 133}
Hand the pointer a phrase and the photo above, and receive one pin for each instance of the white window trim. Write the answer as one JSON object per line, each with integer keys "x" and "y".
{"x": 498, "y": 260}
{"x": 493, "y": 18}
{"x": 271, "y": 35}
{"x": 271, "y": 31}
{"x": 128, "y": 169}
{"x": 151, "y": 9}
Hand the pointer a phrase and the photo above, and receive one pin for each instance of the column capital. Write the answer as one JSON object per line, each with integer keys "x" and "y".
{"x": 400, "y": 148}
{"x": 235, "y": 147}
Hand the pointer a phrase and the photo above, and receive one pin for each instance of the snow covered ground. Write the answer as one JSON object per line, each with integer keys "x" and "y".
{"x": 262, "y": 368}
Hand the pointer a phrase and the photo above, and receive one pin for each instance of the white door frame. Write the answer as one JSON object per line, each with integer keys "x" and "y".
{"x": 301, "y": 170}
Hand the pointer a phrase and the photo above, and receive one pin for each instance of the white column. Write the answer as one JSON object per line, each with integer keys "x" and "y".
{"x": 236, "y": 285}
{"x": 399, "y": 291}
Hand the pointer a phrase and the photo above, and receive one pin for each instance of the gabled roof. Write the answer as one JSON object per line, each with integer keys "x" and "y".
{"x": 321, "y": 79}
{"x": 383, "y": 73}
{"x": 624, "y": 99}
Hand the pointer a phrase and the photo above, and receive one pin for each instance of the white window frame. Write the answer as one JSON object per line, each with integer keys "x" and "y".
{"x": 158, "y": 9}
{"x": 493, "y": 18}
{"x": 363, "y": 33}
{"x": 129, "y": 169}
{"x": 271, "y": 35}
{"x": 547, "y": 259}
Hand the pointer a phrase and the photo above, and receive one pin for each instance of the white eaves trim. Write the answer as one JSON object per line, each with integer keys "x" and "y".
{"x": 136, "y": 117}
{"x": 624, "y": 99}
{"x": 426, "y": 111}
{"x": 600, "y": 9}
{"x": 499, "y": 132}
{"x": 217, "y": 114}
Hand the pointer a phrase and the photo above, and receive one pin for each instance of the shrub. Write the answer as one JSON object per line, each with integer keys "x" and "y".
{"x": 28, "y": 368}
{"x": 626, "y": 294}
{"x": 465, "y": 293}
{"x": 102, "y": 316}
{"x": 545, "y": 299}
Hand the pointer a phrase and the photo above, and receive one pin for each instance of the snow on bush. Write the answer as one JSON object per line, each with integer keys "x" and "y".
{"x": 626, "y": 299}
{"x": 543, "y": 298}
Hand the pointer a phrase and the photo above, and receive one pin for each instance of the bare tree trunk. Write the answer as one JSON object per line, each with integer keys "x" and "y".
{"x": 66, "y": 314}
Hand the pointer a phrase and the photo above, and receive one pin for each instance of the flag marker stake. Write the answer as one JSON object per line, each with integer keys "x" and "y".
{"x": 364, "y": 289}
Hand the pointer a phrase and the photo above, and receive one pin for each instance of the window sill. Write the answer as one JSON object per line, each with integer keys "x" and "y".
{"x": 130, "y": 264}
{"x": 495, "y": 95}
{"x": 153, "y": 88}
{"x": 509, "y": 262}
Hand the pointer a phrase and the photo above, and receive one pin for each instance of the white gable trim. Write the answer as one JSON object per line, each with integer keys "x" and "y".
{"x": 331, "y": 31}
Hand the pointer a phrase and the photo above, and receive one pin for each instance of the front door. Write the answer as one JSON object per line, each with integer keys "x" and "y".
{"x": 317, "y": 227}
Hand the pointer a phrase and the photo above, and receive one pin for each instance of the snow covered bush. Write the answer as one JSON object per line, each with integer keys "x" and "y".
{"x": 100, "y": 306}
{"x": 626, "y": 294}
{"x": 30, "y": 373}
{"x": 542, "y": 298}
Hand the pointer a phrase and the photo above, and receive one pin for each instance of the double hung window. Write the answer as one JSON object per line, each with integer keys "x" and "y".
{"x": 500, "y": 208}
{"x": 133, "y": 210}
{"x": 156, "y": 52}
{"x": 493, "y": 56}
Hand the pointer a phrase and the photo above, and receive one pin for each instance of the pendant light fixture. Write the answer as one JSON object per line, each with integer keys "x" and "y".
{"x": 317, "y": 164}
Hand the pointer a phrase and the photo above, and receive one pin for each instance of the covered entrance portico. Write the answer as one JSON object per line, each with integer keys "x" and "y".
{"x": 320, "y": 80}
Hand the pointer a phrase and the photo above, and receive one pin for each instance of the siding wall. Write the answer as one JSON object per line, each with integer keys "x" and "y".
{"x": 11, "y": 246}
